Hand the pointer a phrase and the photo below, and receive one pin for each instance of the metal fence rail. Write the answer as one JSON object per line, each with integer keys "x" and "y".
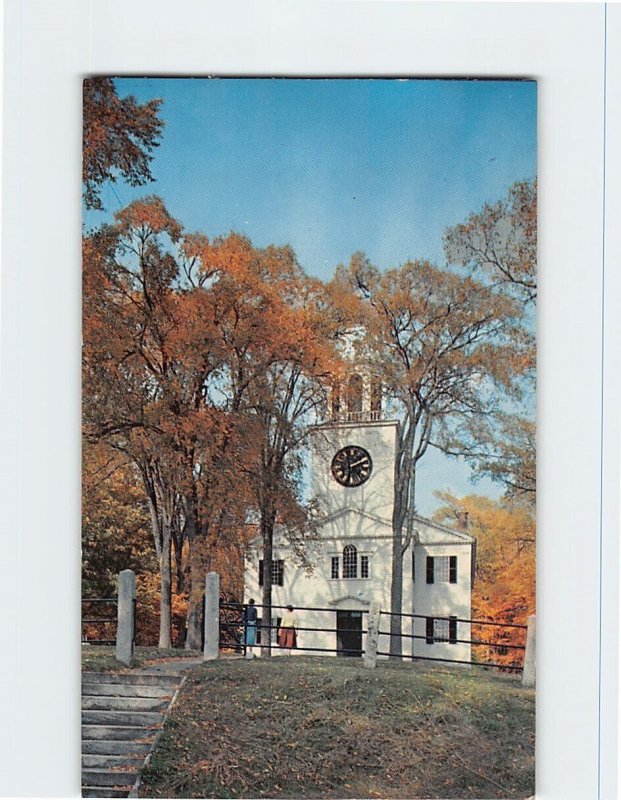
{"x": 456, "y": 619}
{"x": 239, "y": 626}
{"x": 98, "y": 620}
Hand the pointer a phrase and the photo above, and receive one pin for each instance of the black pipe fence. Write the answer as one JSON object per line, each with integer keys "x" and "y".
{"x": 433, "y": 639}
{"x": 238, "y": 640}
{"x": 90, "y": 618}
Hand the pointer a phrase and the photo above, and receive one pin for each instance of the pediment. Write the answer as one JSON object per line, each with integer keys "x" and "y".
{"x": 344, "y": 511}
{"x": 348, "y": 598}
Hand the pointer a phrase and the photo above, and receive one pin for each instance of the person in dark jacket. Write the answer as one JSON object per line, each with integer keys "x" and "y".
{"x": 250, "y": 627}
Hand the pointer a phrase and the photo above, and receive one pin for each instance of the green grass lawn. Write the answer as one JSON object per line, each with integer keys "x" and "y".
{"x": 100, "y": 658}
{"x": 311, "y": 727}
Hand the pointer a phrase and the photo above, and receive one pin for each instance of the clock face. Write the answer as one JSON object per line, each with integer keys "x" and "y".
{"x": 352, "y": 466}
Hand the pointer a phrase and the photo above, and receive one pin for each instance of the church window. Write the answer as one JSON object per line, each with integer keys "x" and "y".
{"x": 335, "y": 567}
{"x": 350, "y": 561}
{"x": 413, "y": 566}
{"x": 441, "y": 569}
{"x": 278, "y": 572}
{"x": 364, "y": 566}
{"x": 441, "y": 630}
{"x": 354, "y": 394}
{"x": 336, "y": 399}
{"x": 376, "y": 396}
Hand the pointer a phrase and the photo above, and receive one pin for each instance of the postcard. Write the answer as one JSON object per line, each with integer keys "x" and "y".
{"x": 309, "y": 462}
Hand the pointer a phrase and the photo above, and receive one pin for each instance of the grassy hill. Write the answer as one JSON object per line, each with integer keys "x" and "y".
{"x": 304, "y": 727}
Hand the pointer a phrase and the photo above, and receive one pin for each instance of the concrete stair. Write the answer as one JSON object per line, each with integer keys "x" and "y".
{"x": 122, "y": 714}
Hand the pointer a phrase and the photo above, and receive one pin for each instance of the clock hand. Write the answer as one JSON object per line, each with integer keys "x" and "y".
{"x": 357, "y": 463}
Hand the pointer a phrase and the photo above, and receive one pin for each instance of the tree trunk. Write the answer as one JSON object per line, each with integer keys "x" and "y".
{"x": 403, "y": 482}
{"x": 396, "y": 593}
{"x": 196, "y": 599}
{"x": 268, "y": 542}
{"x": 165, "y": 640}
{"x": 177, "y": 541}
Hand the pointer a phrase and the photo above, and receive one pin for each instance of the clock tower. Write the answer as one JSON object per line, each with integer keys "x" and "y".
{"x": 353, "y": 452}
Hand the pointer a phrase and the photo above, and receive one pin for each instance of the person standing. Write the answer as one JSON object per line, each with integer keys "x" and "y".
{"x": 287, "y": 636}
{"x": 250, "y": 627}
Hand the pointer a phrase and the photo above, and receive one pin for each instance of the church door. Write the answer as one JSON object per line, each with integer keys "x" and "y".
{"x": 349, "y": 633}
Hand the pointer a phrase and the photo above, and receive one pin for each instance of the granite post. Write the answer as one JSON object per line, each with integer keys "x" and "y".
{"x": 528, "y": 673}
{"x": 125, "y": 617}
{"x": 373, "y": 623}
{"x": 211, "y": 650}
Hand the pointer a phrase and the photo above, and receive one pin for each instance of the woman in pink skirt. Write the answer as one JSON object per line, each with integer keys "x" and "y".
{"x": 287, "y": 637}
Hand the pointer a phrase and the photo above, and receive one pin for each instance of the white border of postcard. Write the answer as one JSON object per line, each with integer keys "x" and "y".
{"x": 49, "y": 47}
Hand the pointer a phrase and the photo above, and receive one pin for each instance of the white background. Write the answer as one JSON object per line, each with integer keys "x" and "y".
{"x": 49, "y": 47}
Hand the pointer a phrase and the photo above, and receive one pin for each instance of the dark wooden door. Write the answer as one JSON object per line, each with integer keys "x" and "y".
{"x": 349, "y": 633}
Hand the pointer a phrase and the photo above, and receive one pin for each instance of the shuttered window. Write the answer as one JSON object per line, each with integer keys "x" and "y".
{"x": 278, "y": 571}
{"x": 335, "y": 567}
{"x": 440, "y": 569}
{"x": 441, "y": 630}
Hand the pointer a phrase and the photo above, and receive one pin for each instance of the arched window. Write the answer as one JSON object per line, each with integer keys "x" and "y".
{"x": 350, "y": 561}
{"x": 336, "y": 400}
{"x": 354, "y": 394}
{"x": 376, "y": 395}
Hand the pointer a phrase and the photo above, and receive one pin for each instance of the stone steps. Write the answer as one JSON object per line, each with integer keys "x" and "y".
{"x": 118, "y": 746}
{"x": 103, "y": 761}
{"x": 130, "y": 678}
{"x": 113, "y": 703}
{"x": 122, "y": 714}
{"x": 115, "y": 732}
{"x": 126, "y": 690}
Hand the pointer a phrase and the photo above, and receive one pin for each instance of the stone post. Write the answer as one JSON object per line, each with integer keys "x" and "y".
{"x": 528, "y": 672}
{"x": 211, "y": 650}
{"x": 373, "y": 624}
{"x": 126, "y": 595}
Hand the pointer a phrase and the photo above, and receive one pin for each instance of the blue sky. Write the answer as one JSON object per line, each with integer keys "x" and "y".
{"x": 334, "y": 166}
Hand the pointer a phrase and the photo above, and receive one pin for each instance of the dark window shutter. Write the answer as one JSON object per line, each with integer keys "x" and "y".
{"x": 429, "y": 569}
{"x": 364, "y": 566}
{"x": 452, "y": 569}
{"x": 429, "y": 630}
{"x": 453, "y": 630}
{"x": 261, "y": 572}
{"x": 413, "y": 565}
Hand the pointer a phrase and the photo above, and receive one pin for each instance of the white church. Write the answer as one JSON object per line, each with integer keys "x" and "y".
{"x": 353, "y": 463}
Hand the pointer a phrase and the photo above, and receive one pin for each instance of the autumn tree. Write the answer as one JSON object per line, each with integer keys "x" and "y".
{"x": 499, "y": 243}
{"x": 298, "y": 360}
{"x": 441, "y": 344}
{"x": 129, "y": 322}
{"x": 115, "y": 522}
{"x": 118, "y": 138}
{"x": 185, "y": 340}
